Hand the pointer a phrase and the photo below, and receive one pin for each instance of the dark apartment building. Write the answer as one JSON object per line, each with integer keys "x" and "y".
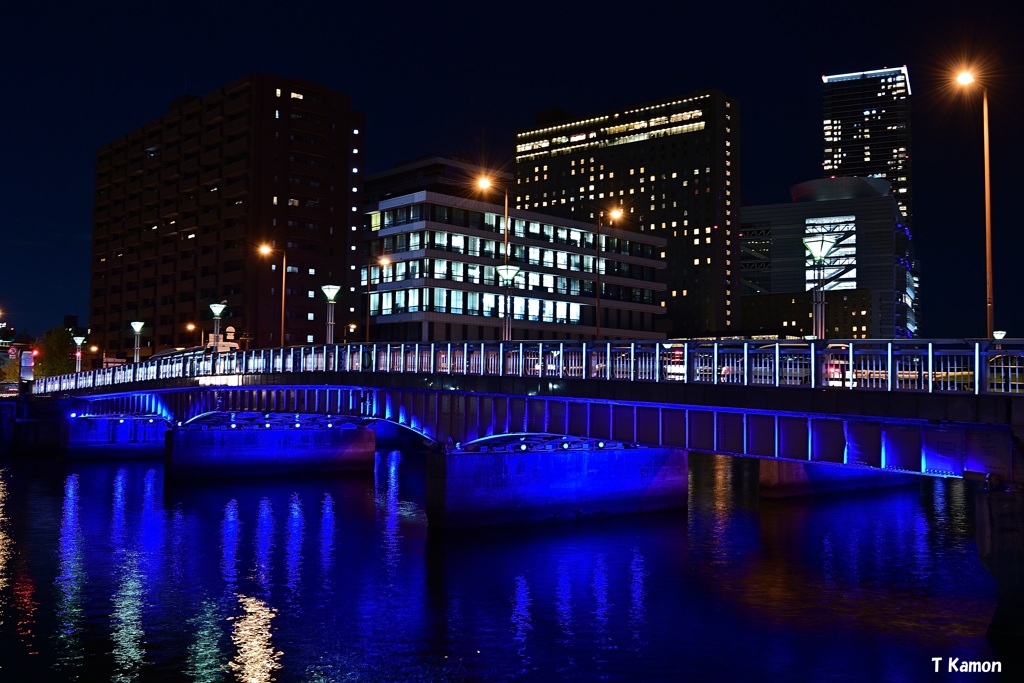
{"x": 673, "y": 169}
{"x": 184, "y": 203}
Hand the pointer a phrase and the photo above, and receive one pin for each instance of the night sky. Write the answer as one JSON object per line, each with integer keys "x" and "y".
{"x": 455, "y": 78}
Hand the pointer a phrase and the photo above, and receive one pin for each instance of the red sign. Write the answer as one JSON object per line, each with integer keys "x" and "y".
{"x": 12, "y": 352}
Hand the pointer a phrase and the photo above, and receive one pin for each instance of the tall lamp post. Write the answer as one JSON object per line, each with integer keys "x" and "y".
{"x": 382, "y": 262}
{"x": 266, "y": 250}
{"x": 819, "y": 246}
{"x": 506, "y": 273}
{"x": 137, "y": 327}
{"x": 330, "y": 291}
{"x": 217, "y": 310}
{"x": 967, "y": 78}
{"x": 78, "y": 352}
{"x": 615, "y": 214}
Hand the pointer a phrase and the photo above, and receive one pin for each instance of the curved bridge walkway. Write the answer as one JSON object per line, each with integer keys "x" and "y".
{"x": 935, "y": 407}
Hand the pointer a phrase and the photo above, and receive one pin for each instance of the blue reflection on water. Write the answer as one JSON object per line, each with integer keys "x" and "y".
{"x": 293, "y": 547}
{"x": 70, "y": 581}
{"x": 264, "y": 546}
{"x": 156, "y": 587}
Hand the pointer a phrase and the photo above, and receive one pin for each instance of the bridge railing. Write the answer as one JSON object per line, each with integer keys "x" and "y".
{"x": 962, "y": 366}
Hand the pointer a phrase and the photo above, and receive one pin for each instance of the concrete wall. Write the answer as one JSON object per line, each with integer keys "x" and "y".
{"x": 487, "y": 489}
{"x": 235, "y": 452}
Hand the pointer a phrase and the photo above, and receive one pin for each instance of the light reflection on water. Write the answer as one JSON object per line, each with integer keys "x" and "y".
{"x": 339, "y": 579}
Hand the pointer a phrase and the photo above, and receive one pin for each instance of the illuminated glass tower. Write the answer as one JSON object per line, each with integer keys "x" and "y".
{"x": 673, "y": 169}
{"x": 866, "y": 128}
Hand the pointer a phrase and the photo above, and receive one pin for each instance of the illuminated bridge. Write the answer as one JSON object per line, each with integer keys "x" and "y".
{"x": 539, "y": 431}
{"x": 941, "y": 408}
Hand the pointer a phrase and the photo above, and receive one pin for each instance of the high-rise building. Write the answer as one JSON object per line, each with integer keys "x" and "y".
{"x": 866, "y": 274}
{"x": 184, "y": 202}
{"x": 672, "y": 168}
{"x": 436, "y": 243}
{"x": 866, "y": 129}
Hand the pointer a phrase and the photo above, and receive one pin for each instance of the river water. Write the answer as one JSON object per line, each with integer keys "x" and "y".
{"x": 109, "y": 573}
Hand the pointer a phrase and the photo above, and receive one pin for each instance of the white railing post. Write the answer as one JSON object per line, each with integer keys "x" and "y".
{"x": 888, "y": 360}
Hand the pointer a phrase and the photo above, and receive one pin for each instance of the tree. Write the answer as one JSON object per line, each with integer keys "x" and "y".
{"x": 56, "y": 353}
{"x": 10, "y": 368}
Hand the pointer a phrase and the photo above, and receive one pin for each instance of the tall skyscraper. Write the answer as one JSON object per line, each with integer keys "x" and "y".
{"x": 866, "y": 128}
{"x": 672, "y": 168}
{"x": 183, "y": 203}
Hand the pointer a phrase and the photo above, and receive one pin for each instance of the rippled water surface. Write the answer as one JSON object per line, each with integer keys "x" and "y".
{"x": 109, "y": 573}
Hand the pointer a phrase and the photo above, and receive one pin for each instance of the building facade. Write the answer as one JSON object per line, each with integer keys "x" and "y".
{"x": 183, "y": 203}
{"x": 867, "y": 276}
{"x": 866, "y": 129}
{"x": 673, "y": 169}
{"x": 431, "y": 270}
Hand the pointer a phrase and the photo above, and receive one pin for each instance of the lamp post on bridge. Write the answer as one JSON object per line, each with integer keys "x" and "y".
{"x": 330, "y": 291}
{"x": 820, "y": 246}
{"x": 217, "y": 310}
{"x": 137, "y": 328}
{"x": 78, "y": 352}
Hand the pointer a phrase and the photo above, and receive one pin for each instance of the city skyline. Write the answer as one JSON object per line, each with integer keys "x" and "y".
{"x": 84, "y": 80}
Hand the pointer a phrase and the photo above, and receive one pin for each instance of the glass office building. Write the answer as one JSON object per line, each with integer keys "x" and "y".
{"x": 431, "y": 273}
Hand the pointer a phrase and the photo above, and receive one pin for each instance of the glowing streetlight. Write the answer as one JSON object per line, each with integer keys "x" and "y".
{"x": 78, "y": 352}
{"x": 819, "y": 246}
{"x": 267, "y": 250}
{"x": 351, "y": 331}
{"x": 615, "y": 215}
{"x": 382, "y": 262}
{"x": 330, "y": 291}
{"x": 965, "y": 78}
{"x": 506, "y": 273}
{"x": 217, "y": 310}
{"x": 137, "y": 327}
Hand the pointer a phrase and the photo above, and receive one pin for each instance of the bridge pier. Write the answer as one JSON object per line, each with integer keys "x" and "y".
{"x": 999, "y": 530}
{"x": 110, "y": 434}
{"x": 787, "y": 479}
{"x": 242, "y": 452}
{"x": 504, "y": 487}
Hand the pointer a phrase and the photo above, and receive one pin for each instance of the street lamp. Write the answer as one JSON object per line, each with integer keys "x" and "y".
{"x": 507, "y": 274}
{"x": 382, "y": 261}
{"x": 351, "y": 327}
{"x": 266, "y": 250}
{"x": 217, "y": 310}
{"x": 819, "y": 246}
{"x": 330, "y": 291}
{"x": 95, "y": 350}
{"x": 137, "y": 327}
{"x": 78, "y": 353}
{"x": 615, "y": 214}
{"x": 191, "y": 327}
{"x": 966, "y": 78}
